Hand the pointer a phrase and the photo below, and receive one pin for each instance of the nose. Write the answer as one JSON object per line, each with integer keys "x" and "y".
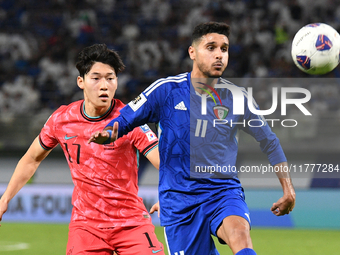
{"x": 219, "y": 54}
{"x": 103, "y": 84}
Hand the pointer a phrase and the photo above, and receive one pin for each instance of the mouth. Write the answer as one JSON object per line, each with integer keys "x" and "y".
{"x": 218, "y": 65}
{"x": 104, "y": 96}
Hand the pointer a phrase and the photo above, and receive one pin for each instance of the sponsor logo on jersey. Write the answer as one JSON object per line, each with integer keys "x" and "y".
{"x": 247, "y": 214}
{"x": 181, "y": 106}
{"x": 153, "y": 251}
{"x": 137, "y": 102}
{"x": 70, "y": 137}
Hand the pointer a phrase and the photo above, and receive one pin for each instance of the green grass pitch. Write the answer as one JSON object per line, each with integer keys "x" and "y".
{"x": 27, "y": 239}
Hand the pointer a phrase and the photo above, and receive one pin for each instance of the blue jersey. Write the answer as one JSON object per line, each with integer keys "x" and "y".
{"x": 189, "y": 137}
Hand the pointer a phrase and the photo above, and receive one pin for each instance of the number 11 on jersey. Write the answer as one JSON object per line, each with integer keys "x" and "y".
{"x": 180, "y": 253}
{"x": 198, "y": 131}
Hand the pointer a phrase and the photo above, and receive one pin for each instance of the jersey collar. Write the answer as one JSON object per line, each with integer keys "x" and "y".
{"x": 99, "y": 118}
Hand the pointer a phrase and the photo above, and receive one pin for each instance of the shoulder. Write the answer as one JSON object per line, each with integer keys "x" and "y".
{"x": 230, "y": 85}
{"x": 66, "y": 110}
{"x": 168, "y": 82}
{"x": 70, "y": 107}
{"x": 118, "y": 104}
{"x": 173, "y": 79}
{"x": 231, "y": 89}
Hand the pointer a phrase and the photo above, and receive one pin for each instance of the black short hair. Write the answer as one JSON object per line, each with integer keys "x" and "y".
{"x": 210, "y": 27}
{"x": 98, "y": 53}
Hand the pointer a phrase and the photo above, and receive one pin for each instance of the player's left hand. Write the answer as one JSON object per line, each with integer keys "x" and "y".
{"x": 154, "y": 208}
{"x": 284, "y": 205}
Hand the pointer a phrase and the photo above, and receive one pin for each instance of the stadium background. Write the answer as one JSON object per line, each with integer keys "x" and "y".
{"x": 39, "y": 42}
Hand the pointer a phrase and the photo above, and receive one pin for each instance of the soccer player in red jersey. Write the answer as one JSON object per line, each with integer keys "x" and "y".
{"x": 108, "y": 217}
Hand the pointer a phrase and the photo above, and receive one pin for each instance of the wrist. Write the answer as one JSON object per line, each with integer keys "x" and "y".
{"x": 108, "y": 139}
{"x": 3, "y": 200}
{"x": 289, "y": 193}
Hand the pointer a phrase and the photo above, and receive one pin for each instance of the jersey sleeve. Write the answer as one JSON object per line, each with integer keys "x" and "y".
{"x": 143, "y": 109}
{"x": 144, "y": 139}
{"x": 47, "y": 138}
{"x": 260, "y": 130}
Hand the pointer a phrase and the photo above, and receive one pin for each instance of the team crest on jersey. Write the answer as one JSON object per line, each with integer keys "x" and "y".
{"x": 137, "y": 102}
{"x": 220, "y": 111}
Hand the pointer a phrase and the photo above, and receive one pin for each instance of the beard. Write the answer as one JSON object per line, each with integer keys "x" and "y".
{"x": 210, "y": 72}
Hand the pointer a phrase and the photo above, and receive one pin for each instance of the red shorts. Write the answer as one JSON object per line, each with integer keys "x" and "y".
{"x": 121, "y": 240}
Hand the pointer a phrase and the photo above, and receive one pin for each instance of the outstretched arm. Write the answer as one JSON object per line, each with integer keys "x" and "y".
{"x": 24, "y": 170}
{"x": 287, "y": 202}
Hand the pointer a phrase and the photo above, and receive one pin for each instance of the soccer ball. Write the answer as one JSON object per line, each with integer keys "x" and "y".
{"x": 316, "y": 48}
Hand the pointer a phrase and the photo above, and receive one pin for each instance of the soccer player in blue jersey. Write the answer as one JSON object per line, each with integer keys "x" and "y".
{"x": 195, "y": 204}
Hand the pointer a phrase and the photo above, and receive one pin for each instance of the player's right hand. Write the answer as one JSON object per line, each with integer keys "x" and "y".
{"x": 284, "y": 205}
{"x": 3, "y": 208}
{"x": 99, "y": 137}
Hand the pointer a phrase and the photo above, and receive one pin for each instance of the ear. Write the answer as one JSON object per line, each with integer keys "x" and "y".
{"x": 80, "y": 82}
{"x": 192, "y": 52}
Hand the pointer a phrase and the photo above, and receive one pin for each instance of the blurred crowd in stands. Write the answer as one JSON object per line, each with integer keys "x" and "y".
{"x": 40, "y": 40}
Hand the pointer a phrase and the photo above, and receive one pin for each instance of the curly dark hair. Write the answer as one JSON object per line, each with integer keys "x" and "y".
{"x": 98, "y": 53}
{"x": 210, "y": 27}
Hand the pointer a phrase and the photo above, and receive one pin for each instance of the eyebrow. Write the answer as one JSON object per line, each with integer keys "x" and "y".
{"x": 96, "y": 73}
{"x": 213, "y": 43}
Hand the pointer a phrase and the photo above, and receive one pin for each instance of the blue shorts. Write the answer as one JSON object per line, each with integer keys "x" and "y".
{"x": 193, "y": 234}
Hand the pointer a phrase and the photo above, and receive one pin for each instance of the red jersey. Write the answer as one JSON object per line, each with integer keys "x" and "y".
{"x": 105, "y": 176}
